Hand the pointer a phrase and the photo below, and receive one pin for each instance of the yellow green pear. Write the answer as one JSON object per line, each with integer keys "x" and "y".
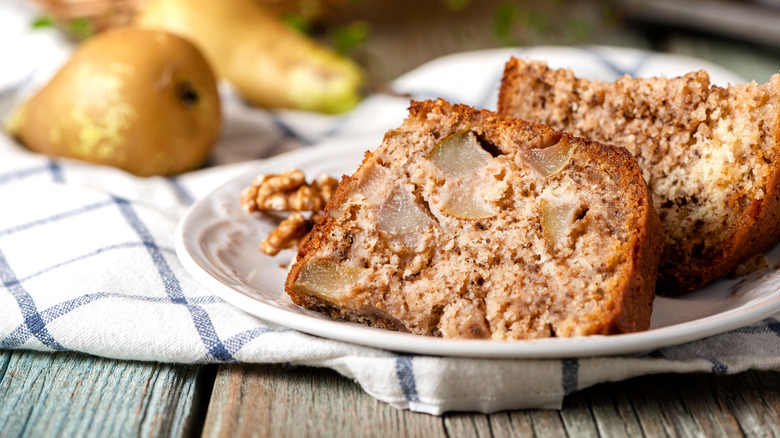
{"x": 270, "y": 64}
{"x": 141, "y": 100}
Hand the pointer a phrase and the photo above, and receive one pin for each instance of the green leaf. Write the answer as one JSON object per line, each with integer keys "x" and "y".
{"x": 579, "y": 30}
{"x": 506, "y": 16}
{"x": 81, "y": 28}
{"x": 456, "y": 5}
{"x": 297, "y": 23}
{"x": 539, "y": 21}
{"x": 42, "y": 22}
{"x": 344, "y": 39}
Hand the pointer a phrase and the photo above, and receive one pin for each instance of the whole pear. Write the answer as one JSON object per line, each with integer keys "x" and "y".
{"x": 141, "y": 100}
{"x": 269, "y": 63}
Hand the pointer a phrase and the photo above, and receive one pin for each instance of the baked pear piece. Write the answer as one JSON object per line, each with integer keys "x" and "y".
{"x": 464, "y": 224}
{"x": 710, "y": 155}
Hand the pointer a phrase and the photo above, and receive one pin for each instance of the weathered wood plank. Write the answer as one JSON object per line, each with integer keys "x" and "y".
{"x": 770, "y": 398}
{"x": 756, "y": 412}
{"x": 745, "y": 404}
{"x": 468, "y": 425}
{"x": 671, "y": 405}
{"x": 69, "y": 394}
{"x": 283, "y": 401}
{"x": 595, "y": 415}
{"x": 711, "y": 414}
{"x": 510, "y": 424}
{"x": 547, "y": 423}
{"x": 275, "y": 400}
{"x": 648, "y": 404}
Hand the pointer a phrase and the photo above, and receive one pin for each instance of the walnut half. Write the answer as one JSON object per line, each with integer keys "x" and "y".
{"x": 288, "y": 191}
{"x": 289, "y": 233}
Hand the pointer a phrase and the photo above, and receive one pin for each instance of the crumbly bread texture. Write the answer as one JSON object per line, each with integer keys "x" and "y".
{"x": 709, "y": 155}
{"x": 464, "y": 224}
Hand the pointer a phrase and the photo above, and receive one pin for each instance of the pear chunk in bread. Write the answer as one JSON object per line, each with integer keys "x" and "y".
{"x": 710, "y": 155}
{"x": 465, "y": 224}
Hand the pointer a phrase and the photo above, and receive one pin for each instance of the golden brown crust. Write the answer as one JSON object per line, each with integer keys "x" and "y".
{"x": 484, "y": 298}
{"x": 684, "y": 133}
{"x": 315, "y": 239}
{"x": 755, "y": 232}
{"x": 632, "y": 310}
{"x": 374, "y": 319}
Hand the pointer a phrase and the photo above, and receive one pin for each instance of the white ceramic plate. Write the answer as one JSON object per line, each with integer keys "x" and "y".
{"x": 218, "y": 244}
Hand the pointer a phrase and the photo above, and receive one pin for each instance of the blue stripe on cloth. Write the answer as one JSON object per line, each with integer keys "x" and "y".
{"x": 208, "y": 335}
{"x": 237, "y": 341}
{"x": 719, "y": 367}
{"x": 683, "y": 351}
{"x": 273, "y": 149}
{"x": 333, "y": 130}
{"x": 56, "y": 172}
{"x": 16, "y": 337}
{"x": 570, "y": 370}
{"x": 21, "y": 334}
{"x": 655, "y": 354}
{"x": 32, "y": 318}
{"x": 200, "y": 318}
{"x": 768, "y": 325}
{"x": 89, "y": 255}
{"x": 184, "y": 195}
{"x": 24, "y": 173}
{"x": 9, "y": 91}
{"x": 773, "y": 325}
{"x": 65, "y": 307}
{"x": 12, "y": 90}
{"x": 55, "y": 217}
{"x": 758, "y": 328}
{"x": 287, "y": 130}
{"x": 404, "y": 370}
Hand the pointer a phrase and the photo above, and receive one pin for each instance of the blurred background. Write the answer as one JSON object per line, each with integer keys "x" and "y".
{"x": 389, "y": 38}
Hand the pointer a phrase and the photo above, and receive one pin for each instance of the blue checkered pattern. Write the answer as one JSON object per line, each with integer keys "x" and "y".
{"x": 123, "y": 240}
{"x": 87, "y": 261}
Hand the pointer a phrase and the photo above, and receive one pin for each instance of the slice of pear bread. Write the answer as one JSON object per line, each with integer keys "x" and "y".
{"x": 464, "y": 224}
{"x": 710, "y": 155}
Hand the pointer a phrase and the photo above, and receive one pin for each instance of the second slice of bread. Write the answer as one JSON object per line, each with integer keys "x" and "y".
{"x": 710, "y": 155}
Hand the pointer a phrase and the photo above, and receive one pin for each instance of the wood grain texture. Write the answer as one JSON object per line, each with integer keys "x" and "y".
{"x": 277, "y": 400}
{"x": 284, "y": 401}
{"x": 69, "y": 394}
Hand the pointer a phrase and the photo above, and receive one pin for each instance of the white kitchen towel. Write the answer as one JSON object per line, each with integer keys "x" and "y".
{"x": 87, "y": 260}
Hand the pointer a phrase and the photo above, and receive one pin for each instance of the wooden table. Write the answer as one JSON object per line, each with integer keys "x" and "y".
{"x": 71, "y": 394}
